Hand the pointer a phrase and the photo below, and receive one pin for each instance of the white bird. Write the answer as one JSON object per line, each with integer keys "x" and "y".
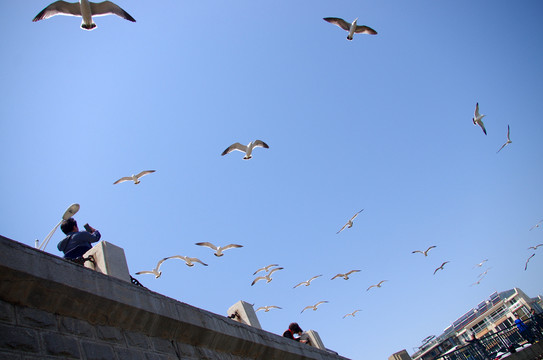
{"x": 156, "y": 271}
{"x": 349, "y": 223}
{"x": 352, "y": 28}
{"x": 346, "y": 275}
{"x": 536, "y": 225}
{"x": 481, "y": 263}
{"x": 219, "y": 249}
{"x": 308, "y": 282}
{"x": 189, "y": 261}
{"x": 425, "y": 253}
{"x": 535, "y": 247}
{"x": 526, "y": 266}
{"x": 265, "y": 268}
{"x": 314, "y": 307}
{"x": 483, "y": 274}
{"x": 352, "y": 314}
{"x": 267, "y": 308}
{"x": 441, "y": 267}
{"x": 84, "y": 9}
{"x": 247, "y": 149}
{"x": 508, "y": 140}
{"x": 377, "y": 285}
{"x": 267, "y": 277}
{"x": 477, "y": 282}
{"x": 134, "y": 178}
{"x": 478, "y": 118}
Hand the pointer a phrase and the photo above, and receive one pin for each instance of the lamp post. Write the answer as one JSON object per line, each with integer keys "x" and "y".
{"x": 71, "y": 211}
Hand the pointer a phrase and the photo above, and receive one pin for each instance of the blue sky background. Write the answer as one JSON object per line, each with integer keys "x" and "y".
{"x": 382, "y": 123}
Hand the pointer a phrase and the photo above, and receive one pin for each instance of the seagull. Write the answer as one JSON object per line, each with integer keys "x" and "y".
{"x": 478, "y": 118}
{"x": 267, "y": 277}
{"x": 535, "y": 247}
{"x": 135, "y": 178}
{"x": 352, "y": 28}
{"x": 441, "y": 267}
{"x": 377, "y": 285}
{"x": 481, "y": 263}
{"x": 219, "y": 249}
{"x": 425, "y": 253}
{"x": 477, "y": 282}
{"x": 84, "y": 9}
{"x": 265, "y": 268}
{"x": 352, "y": 314}
{"x": 349, "y": 223}
{"x": 526, "y": 266}
{"x": 536, "y": 225}
{"x": 314, "y": 307}
{"x": 247, "y": 149}
{"x": 155, "y": 271}
{"x": 308, "y": 282}
{"x": 508, "y": 140}
{"x": 267, "y": 308}
{"x": 188, "y": 260}
{"x": 346, "y": 275}
{"x": 483, "y": 274}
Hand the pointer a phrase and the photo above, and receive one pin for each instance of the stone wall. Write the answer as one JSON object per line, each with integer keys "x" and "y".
{"x": 51, "y": 308}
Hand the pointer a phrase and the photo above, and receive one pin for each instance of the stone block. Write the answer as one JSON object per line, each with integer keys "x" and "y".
{"x": 36, "y": 318}
{"x": 18, "y": 338}
{"x": 128, "y": 354}
{"x": 7, "y": 313}
{"x": 61, "y": 345}
{"x": 162, "y": 345}
{"x": 9, "y": 356}
{"x": 75, "y": 327}
{"x": 136, "y": 339}
{"x": 97, "y": 351}
{"x": 109, "y": 334}
{"x": 244, "y": 313}
{"x": 109, "y": 259}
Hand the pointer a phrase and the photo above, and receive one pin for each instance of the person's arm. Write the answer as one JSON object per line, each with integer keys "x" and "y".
{"x": 91, "y": 237}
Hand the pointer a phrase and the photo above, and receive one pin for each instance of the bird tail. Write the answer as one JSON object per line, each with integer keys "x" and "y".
{"x": 88, "y": 27}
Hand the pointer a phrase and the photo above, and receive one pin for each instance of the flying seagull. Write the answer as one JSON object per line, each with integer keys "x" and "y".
{"x": 441, "y": 267}
{"x": 156, "y": 271}
{"x": 526, "y": 266}
{"x": 346, "y": 275}
{"x": 352, "y": 314}
{"x": 536, "y": 225}
{"x": 219, "y": 249}
{"x": 535, "y": 247}
{"x": 483, "y": 274}
{"x": 481, "y": 263}
{"x": 377, "y": 285}
{"x": 478, "y": 118}
{"x": 267, "y": 277}
{"x": 134, "y": 178}
{"x": 349, "y": 223}
{"x": 265, "y": 268}
{"x": 425, "y": 253}
{"x": 308, "y": 282}
{"x": 352, "y": 28}
{"x": 84, "y": 9}
{"x": 508, "y": 140}
{"x": 314, "y": 307}
{"x": 188, "y": 260}
{"x": 267, "y": 308}
{"x": 477, "y": 282}
{"x": 247, "y": 149}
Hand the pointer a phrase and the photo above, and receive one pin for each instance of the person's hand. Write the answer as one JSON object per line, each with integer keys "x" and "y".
{"x": 303, "y": 341}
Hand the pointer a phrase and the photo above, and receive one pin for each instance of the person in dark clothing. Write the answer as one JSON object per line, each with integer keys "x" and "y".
{"x": 76, "y": 243}
{"x": 524, "y": 330}
{"x": 537, "y": 323}
{"x": 294, "y": 328}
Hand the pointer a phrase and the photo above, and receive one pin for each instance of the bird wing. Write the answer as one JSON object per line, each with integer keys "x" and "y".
{"x": 371, "y": 287}
{"x": 107, "y": 8}
{"x": 303, "y": 282}
{"x": 381, "y": 282}
{"x": 257, "y": 279}
{"x": 236, "y": 146}
{"x": 347, "y": 315}
{"x": 417, "y": 251}
{"x": 338, "y": 275}
{"x": 123, "y": 179}
{"x": 343, "y": 228}
{"x": 314, "y": 277}
{"x": 261, "y": 308}
{"x": 307, "y": 307}
{"x": 363, "y": 29}
{"x": 536, "y": 225}
{"x": 260, "y": 143}
{"x": 207, "y": 244}
{"x": 501, "y": 148}
{"x": 259, "y": 270}
{"x": 196, "y": 260}
{"x": 482, "y": 125}
{"x": 526, "y": 266}
{"x": 508, "y": 133}
{"x": 160, "y": 262}
{"x": 59, "y": 8}
{"x": 274, "y": 270}
{"x": 145, "y": 172}
{"x": 339, "y": 22}
{"x": 355, "y": 215}
{"x": 320, "y": 302}
{"x": 231, "y": 246}
{"x": 145, "y": 272}
{"x": 477, "y": 111}
{"x": 352, "y": 271}
{"x": 273, "y": 307}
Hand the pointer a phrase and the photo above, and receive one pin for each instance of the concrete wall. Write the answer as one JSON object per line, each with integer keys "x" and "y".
{"x": 51, "y": 308}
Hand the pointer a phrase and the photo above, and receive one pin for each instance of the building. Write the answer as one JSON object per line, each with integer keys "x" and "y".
{"x": 496, "y": 313}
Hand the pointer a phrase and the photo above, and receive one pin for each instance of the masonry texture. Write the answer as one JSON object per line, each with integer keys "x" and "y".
{"x": 51, "y": 308}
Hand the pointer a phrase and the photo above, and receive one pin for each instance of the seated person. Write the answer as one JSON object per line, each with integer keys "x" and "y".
{"x": 294, "y": 328}
{"x": 76, "y": 243}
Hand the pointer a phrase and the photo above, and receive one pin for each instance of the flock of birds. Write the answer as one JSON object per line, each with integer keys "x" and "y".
{"x": 88, "y": 10}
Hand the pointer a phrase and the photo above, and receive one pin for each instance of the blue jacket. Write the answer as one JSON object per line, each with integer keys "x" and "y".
{"x": 75, "y": 244}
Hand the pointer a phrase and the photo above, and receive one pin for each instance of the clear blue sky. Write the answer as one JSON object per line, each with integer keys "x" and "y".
{"x": 381, "y": 123}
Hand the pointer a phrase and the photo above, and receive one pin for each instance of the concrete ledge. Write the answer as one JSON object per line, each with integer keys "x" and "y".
{"x": 34, "y": 279}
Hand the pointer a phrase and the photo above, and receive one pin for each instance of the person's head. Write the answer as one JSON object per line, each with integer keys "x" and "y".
{"x": 295, "y": 328}
{"x": 69, "y": 226}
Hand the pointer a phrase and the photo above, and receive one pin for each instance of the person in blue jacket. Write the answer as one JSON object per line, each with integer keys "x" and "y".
{"x": 76, "y": 243}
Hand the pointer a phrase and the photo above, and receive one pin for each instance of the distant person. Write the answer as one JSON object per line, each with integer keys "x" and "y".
{"x": 524, "y": 330}
{"x": 537, "y": 321}
{"x": 294, "y": 329}
{"x": 76, "y": 243}
{"x": 480, "y": 348}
